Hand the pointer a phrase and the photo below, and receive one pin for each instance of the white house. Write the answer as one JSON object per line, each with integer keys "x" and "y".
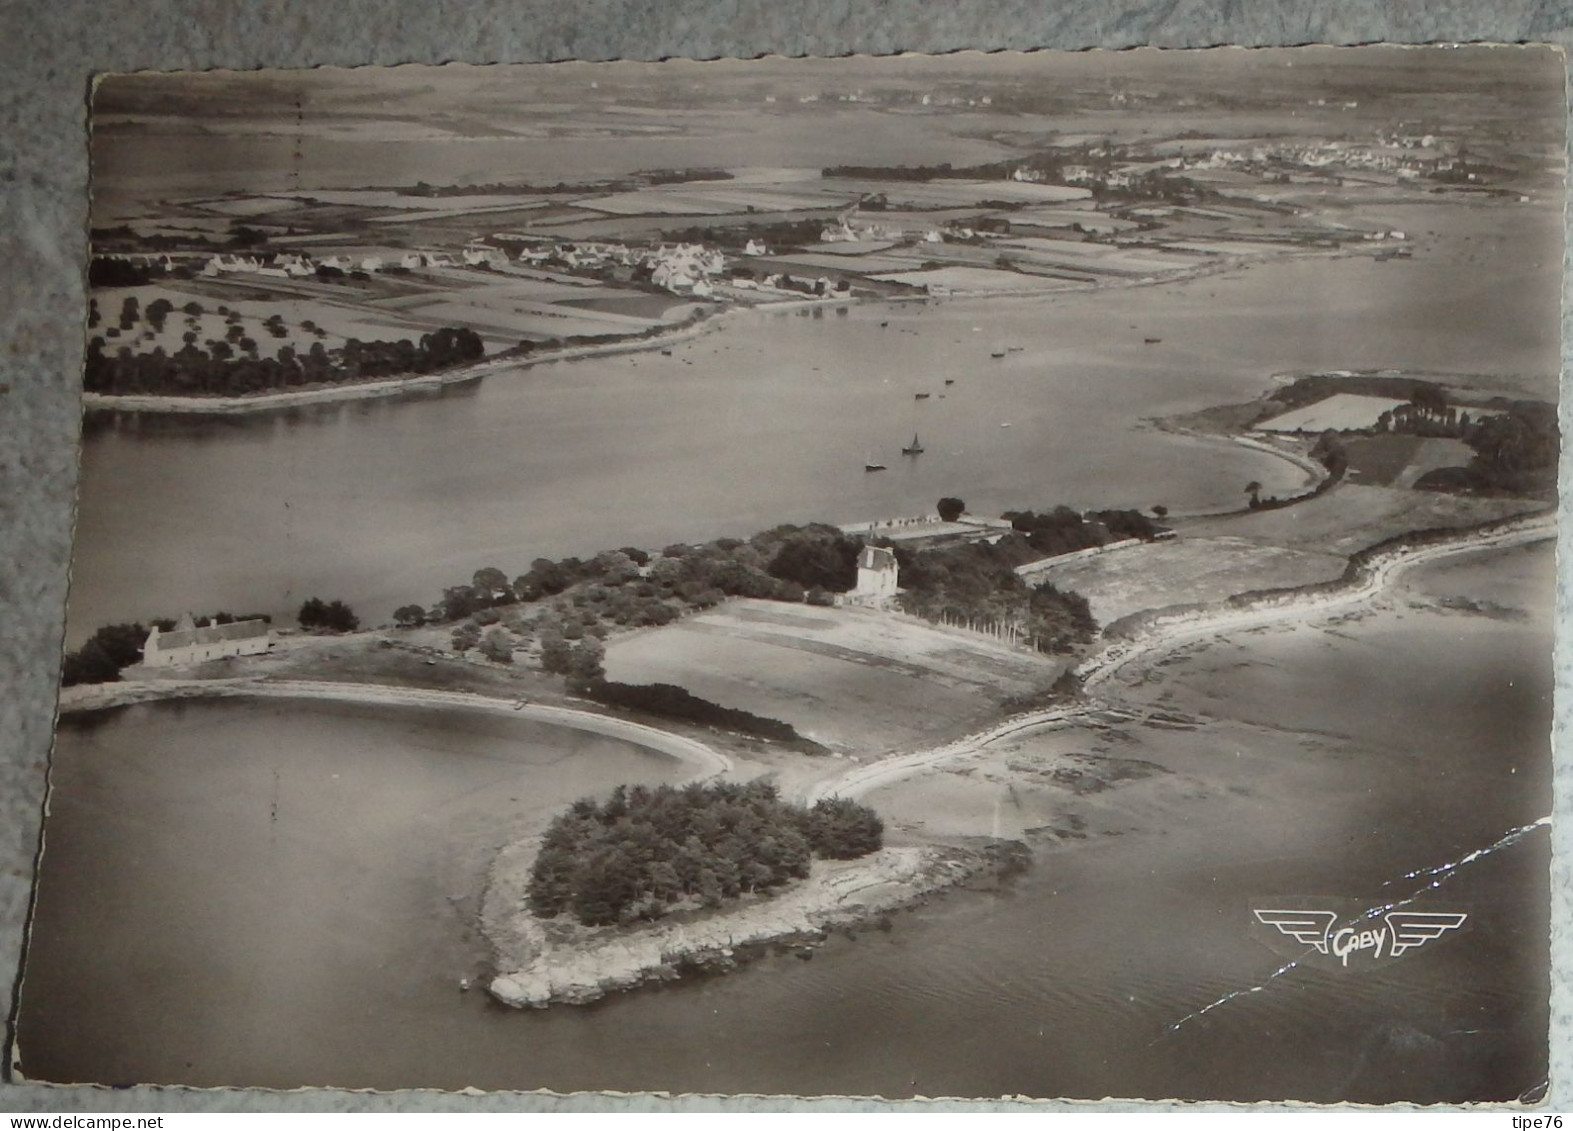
{"x": 371, "y": 263}
{"x": 410, "y": 261}
{"x": 188, "y": 644}
{"x": 876, "y": 576}
{"x": 756, "y": 247}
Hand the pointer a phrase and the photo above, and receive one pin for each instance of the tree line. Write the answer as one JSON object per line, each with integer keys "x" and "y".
{"x": 216, "y": 371}
{"x": 565, "y": 600}
{"x": 644, "y": 853}
{"x": 978, "y": 581}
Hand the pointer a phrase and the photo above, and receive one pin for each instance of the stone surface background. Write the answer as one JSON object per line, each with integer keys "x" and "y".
{"x": 49, "y": 51}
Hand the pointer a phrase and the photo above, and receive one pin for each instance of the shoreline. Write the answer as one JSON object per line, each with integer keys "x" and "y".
{"x": 1166, "y": 632}
{"x": 381, "y": 387}
{"x": 531, "y": 975}
{"x": 532, "y": 969}
{"x": 390, "y": 386}
{"x": 707, "y": 761}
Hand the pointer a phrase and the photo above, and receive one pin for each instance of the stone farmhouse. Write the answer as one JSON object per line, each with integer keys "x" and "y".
{"x": 188, "y": 644}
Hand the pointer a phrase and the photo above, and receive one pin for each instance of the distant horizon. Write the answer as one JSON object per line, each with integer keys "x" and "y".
{"x": 173, "y": 134}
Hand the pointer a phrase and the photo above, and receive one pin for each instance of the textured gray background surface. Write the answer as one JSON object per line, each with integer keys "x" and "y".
{"x": 49, "y": 51}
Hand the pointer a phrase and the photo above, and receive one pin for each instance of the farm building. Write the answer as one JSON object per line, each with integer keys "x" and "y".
{"x": 188, "y": 644}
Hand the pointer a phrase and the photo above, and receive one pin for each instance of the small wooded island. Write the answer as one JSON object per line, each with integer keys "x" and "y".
{"x": 646, "y": 852}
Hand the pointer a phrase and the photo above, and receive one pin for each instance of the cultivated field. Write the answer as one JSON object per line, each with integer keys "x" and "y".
{"x": 858, "y": 681}
{"x": 1351, "y": 517}
{"x": 1342, "y": 412}
{"x": 1396, "y": 460}
{"x": 976, "y": 279}
{"x": 1186, "y": 570}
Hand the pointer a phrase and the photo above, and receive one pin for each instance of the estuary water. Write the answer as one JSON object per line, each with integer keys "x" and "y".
{"x": 278, "y": 894}
{"x": 771, "y": 417}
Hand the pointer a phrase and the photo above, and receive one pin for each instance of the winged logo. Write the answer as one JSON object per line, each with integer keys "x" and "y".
{"x": 1363, "y": 936}
{"x": 1309, "y": 928}
{"x": 1413, "y": 929}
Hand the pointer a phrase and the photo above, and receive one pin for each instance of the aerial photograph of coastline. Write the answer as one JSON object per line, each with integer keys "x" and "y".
{"x": 915, "y": 576}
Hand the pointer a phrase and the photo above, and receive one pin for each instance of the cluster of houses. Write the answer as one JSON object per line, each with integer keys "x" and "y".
{"x": 683, "y": 268}
{"x": 1402, "y": 156}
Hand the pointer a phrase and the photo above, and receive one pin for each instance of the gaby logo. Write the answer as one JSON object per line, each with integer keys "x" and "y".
{"x": 1397, "y": 933}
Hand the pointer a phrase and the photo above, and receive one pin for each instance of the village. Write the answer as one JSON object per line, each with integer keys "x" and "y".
{"x": 524, "y": 269}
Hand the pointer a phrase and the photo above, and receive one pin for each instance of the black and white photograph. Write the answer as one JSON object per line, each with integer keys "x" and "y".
{"x": 973, "y": 575}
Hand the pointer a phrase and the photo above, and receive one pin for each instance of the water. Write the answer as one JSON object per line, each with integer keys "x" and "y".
{"x": 185, "y": 935}
{"x": 771, "y": 419}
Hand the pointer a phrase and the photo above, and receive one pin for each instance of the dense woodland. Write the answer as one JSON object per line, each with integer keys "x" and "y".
{"x": 644, "y": 853}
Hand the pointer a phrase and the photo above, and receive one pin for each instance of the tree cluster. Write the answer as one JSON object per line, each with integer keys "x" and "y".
{"x": 644, "y": 853}
{"x": 669, "y": 701}
{"x": 1063, "y": 530}
{"x": 572, "y": 598}
{"x": 216, "y": 371}
{"x": 978, "y": 581}
{"x": 1515, "y": 449}
{"x": 332, "y": 616}
{"x": 109, "y": 649}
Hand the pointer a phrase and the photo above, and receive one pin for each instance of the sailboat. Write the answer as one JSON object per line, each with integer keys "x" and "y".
{"x": 914, "y": 448}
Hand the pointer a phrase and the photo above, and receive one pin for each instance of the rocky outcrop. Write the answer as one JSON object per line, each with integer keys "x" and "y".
{"x": 541, "y": 967}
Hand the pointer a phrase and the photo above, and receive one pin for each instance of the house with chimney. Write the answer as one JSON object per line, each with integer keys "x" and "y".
{"x": 188, "y": 644}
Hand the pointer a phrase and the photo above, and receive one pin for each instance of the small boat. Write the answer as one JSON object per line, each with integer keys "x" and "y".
{"x": 666, "y": 353}
{"x": 1005, "y": 425}
{"x": 997, "y": 353}
{"x": 914, "y": 448}
{"x": 871, "y": 466}
{"x": 920, "y": 396}
{"x": 950, "y": 380}
{"x": 1151, "y": 341}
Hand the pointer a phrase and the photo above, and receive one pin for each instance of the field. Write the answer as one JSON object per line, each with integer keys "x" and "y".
{"x": 949, "y": 193}
{"x": 1184, "y": 570}
{"x": 377, "y": 198}
{"x": 1342, "y": 412}
{"x": 1395, "y": 460}
{"x": 819, "y": 260}
{"x": 976, "y": 279}
{"x": 503, "y": 306}
{"x": 338, "y": 323}
{"x": 858, "y": 681}
{"x": 1351, "y": 517}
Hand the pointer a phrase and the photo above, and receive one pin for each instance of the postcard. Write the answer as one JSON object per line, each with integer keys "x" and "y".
{"x": 950, "y": 576}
